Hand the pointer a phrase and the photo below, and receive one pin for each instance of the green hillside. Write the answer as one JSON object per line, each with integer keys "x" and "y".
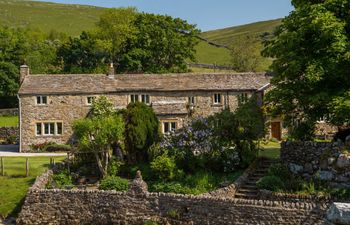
{"x": 226, "y": 35}
{"x": 70, "y": 19}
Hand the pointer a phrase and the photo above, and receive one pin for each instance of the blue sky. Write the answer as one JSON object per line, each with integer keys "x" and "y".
{"x": 207, "y": 14}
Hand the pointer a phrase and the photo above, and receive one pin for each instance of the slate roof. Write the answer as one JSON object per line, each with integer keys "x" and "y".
{"x": 101, "y": 83}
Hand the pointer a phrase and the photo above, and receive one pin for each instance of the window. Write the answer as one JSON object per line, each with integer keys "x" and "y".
{"x": 243, "y": 98}
{"x": 90, "y": 100}
{"x": 169, "y": 127}
{"x": 59, "y": 128}
{"x": 217, "y": 99}
{"x": 191, "y": 100}
{"x": 134, "y": 98}
{"x": 145, "y": 99}
{"x": 41, "y": 100}
{"x": 49, "y": 128}
{"x": 38, "y": 131}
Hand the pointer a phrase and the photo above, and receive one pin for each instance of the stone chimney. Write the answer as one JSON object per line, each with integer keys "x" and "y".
{"x": 24, "y": 71}
{"x": 111, "y": 71}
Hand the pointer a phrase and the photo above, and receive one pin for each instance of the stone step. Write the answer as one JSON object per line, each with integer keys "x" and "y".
{"x": 247, "y": 191}
{"x": 243, "y": 195}
{"x": 249, "y": 186}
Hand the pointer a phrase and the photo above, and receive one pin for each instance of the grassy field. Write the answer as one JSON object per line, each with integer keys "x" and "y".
{"x": 70, "y": 19}
{"x": 8, "y": 121}
{"x": 14, "y": 186}
{"x": 209, "y": 54}
{"x": 270, "y": 150}
{"x": 226, "y": 36}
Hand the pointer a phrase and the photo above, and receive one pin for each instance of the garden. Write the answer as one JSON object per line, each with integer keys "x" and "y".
{"x": 206, "y": 154}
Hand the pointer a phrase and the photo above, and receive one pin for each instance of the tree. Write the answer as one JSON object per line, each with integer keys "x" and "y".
{"x": 83, "y": 55}
{"x": 245, "y": 53}
{"x": 98, "y": 135}
{"x": 162, "y": 44}
{"x": 102, "y": 106}
{"x": 141, "y": 131}
{"x": 9, "y": 79}
{"x": 312, "y": 64}
{"x": 115, "y": 28}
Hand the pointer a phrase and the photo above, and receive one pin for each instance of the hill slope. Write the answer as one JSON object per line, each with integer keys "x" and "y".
{"x": 226, "y": 35}
{"x": 73, "y": 19}
{"x": 70, "y": 19}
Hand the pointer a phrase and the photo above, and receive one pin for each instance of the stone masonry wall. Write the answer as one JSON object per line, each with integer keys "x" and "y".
{"x": 6, "y": 132}
{"x": 76, "y": 207}
{"x": 327, "y": 161}
{"x": 68, "y": 108}
{"x": 9, "y": 112}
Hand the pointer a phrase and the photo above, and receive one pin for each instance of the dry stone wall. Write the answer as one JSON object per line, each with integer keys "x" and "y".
{"x": 326, "y": 161}
{"x": 76, "y": 207}
{"x": 6, "y": 132}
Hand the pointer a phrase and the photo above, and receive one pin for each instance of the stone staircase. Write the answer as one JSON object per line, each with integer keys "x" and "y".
{"x": 249, "y": 190}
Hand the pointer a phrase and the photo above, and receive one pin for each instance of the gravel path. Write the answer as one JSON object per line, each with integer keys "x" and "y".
{"x": 12, "y": 151}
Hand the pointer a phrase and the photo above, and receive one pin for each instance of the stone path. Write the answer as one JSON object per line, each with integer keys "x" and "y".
{"x": 249, "y": 190}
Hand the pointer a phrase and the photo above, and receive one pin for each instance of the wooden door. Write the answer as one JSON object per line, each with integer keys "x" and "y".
{"x": 276, "y": 130}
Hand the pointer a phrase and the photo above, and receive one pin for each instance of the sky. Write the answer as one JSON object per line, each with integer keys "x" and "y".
{"x": 207, "y": 14}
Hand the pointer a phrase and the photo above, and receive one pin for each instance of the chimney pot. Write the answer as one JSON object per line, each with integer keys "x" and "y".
{"x": 24, "y": 71}
{"x": 111, "y": 71}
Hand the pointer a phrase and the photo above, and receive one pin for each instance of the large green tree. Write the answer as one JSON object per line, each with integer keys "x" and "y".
{"x": 312, "y": 64}
{"x": 141, "y": 131}
{"x": 162, "y": 44}
{"x": 9, "y": 79}
{"x": 84, "y": 54}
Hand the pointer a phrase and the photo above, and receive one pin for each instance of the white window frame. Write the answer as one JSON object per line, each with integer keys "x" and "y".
{"x": 140, "y": 98}
{"x": 172, "y": 125}
{"x": 88, "y": 98}
{"x": 191, "y": 100}
{"x": 40, "y": 100}
{"x": 43, "y": 132}
{"x": 243, "y": 97}
{"x": 217, "y": 99}
{"x": 145, "y": 98}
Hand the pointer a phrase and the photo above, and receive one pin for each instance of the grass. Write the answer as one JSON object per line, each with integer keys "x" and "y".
{"x": 208, "y": 54}
{"x": 270, "y": 150}
{"x": 198, "y": 183}
{"x": 14, "y": 186}
{"x": 227, "y": 35}
{"x": 70, "y": 19}
{"x": 9, "y": 121}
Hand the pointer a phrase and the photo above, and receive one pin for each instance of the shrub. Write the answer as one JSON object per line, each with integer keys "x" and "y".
{"x": 53, "y": 147}
{"x": 114, "y": 167}
{"x": 11, "y": 139}
{"x": 280, "y": 170}
{"x": 40, "y": 147}
{"x": 60, "y": 180}
{"x": 271, "y": 183}
{"x": 165, "y": 167}
{"x": 114, "y": 183}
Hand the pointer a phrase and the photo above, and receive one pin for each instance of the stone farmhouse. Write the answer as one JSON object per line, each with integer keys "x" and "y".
{"x": 49, "y": 104}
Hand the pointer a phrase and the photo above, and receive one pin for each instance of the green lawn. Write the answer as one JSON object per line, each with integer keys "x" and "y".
{"x": 270, "y": 150}
{"x": 8, "y": 121}
{"x": 14, "y": 186}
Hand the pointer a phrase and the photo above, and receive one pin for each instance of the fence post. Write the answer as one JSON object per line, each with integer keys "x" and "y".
{"x": 2, "y": 167}
{"x": 27, "y": 167}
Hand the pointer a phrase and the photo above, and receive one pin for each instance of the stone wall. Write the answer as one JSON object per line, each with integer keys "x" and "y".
{"x": 327, "y": 161}
{"x": 9, "y": 112}
{"x": 6, "y": 132}
{"x": 68, "y": 108}
{"x": 138, "y": 206}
